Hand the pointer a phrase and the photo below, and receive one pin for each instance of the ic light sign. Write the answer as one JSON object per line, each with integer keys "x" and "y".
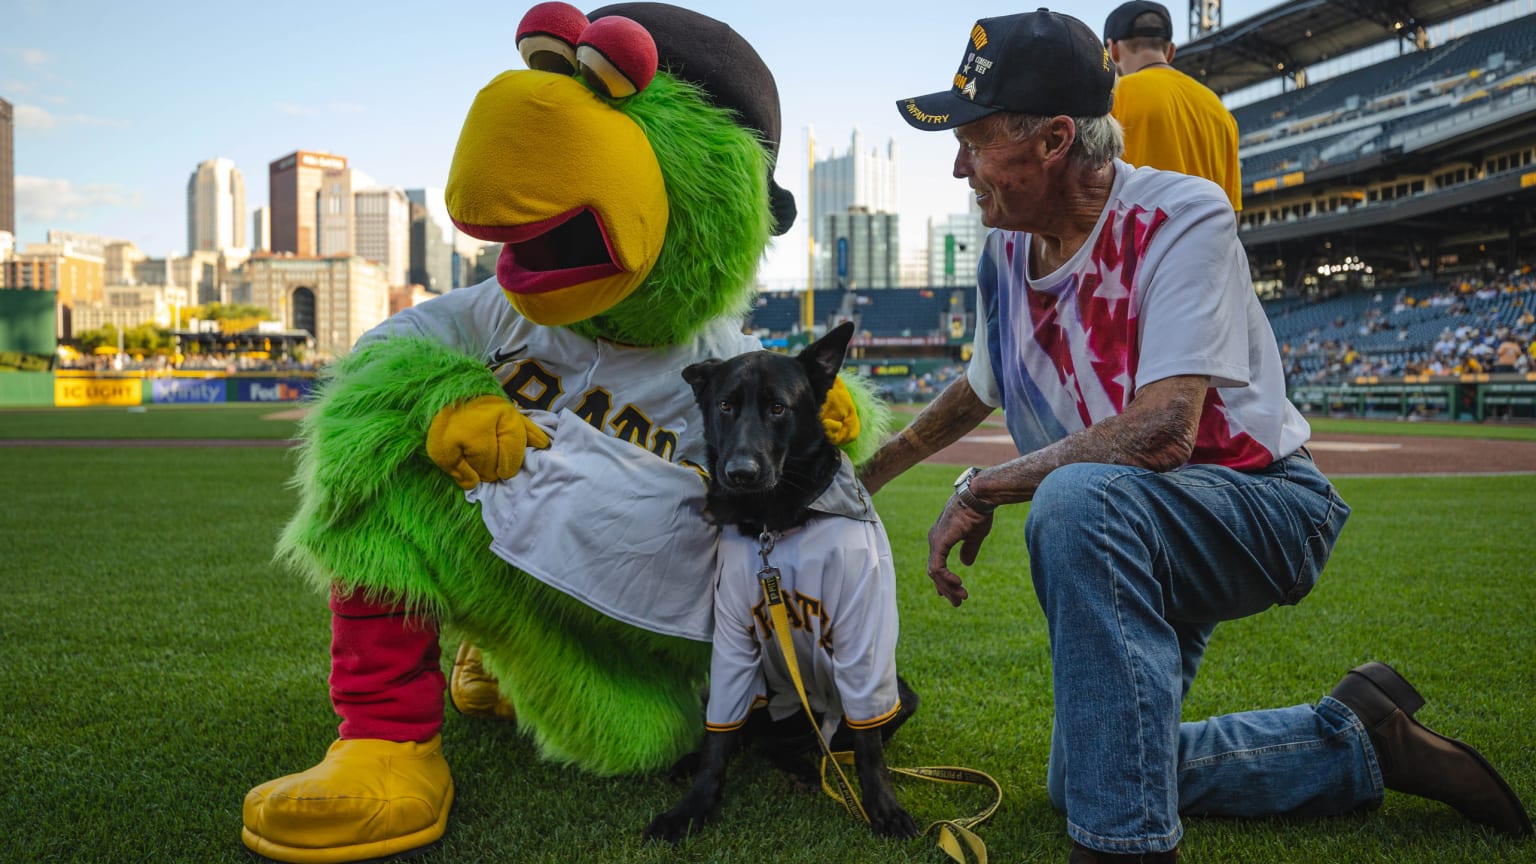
{"x": 77, "y": 392}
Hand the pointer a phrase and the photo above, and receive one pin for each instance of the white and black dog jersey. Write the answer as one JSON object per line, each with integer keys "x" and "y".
{"x": 839, "y": 588}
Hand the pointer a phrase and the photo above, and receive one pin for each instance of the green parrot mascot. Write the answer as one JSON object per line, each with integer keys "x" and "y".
{"x": 628, "y": 173}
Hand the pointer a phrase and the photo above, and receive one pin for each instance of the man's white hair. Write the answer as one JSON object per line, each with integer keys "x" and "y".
{"x": 1099, "y": 140}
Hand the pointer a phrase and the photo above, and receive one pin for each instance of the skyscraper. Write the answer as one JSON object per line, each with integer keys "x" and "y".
{"x": 431, "y": 241}
{"x": 334, "y": 209}
{"x": 864, "y": 250}
{"x": 858, "y": 180}
{"x": 294, "y": 183}
{"x": 7, "y": 170}
{"x": 382, "y": 227}
{"x": 261, "y": 229}
{"x": 216, "y": 207}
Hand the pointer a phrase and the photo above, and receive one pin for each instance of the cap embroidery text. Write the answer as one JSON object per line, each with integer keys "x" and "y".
{"x": 923, "y": 117}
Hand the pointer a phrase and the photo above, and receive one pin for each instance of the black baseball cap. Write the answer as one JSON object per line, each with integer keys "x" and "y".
{"x": 1043, "y": 63}
{"x": 1121, "y": 23}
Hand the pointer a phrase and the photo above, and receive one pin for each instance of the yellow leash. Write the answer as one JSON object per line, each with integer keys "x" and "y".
{"x": 955, "y": 836}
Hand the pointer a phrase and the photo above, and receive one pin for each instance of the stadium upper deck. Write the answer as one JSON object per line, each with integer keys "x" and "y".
{"x": 1417, "y": 164}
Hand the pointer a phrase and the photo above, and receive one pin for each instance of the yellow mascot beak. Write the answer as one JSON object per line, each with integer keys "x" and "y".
{"x": 568, "y": 184}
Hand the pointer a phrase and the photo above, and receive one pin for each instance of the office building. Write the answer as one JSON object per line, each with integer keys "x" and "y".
{"x": 294, "y": 183}
{"x": 216, "y": 207}
{"x": 75, "y": 275}
{"x": 864, "y": 251}
{"x": 334, "y": 215}
{"x": 432, "y": 237}
{"x": 92, "y": 245}
{"x": 129, "y": 306}
{"x": 261, "y": 229}
{"x": 382, "y": 228}
{"x": 954, "y": 247}
{"x": 334, "y": 299}
{"x": 7, "y": 169}
{"x": 860, "y": 179}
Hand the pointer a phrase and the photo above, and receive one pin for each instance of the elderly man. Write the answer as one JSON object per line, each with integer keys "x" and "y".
{"x": 1171, "y": 489}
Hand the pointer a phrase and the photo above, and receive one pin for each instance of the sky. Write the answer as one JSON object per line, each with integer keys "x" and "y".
{"x": 116, "y": 103}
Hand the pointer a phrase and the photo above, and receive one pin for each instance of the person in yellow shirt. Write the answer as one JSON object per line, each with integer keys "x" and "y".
{"x": 1171, "y": 121}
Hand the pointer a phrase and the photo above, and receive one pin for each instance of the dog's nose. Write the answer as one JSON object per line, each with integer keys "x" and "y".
{"x": 743, "y": 472}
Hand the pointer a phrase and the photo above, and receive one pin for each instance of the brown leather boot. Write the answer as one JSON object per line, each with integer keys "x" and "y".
{"x": 1083, "y": 855}
{"x": 1419, "y": 761}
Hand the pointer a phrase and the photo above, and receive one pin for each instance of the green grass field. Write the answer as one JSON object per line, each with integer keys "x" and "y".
{"x": 158, "y": 667}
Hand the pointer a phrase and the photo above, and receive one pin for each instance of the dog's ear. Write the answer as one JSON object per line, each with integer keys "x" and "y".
{"x": 698, "y": 375}
{"x": 824, "y": 357}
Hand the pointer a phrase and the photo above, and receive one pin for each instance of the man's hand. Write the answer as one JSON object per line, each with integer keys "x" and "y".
{"x": 482, "y": 440}
{"x": 957, "y": 524}
{"x": 838, "y": 416}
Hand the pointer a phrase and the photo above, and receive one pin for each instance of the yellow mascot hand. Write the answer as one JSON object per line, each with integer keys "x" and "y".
{"x": 482, "y": 440}
{"x": 838, "y": 416}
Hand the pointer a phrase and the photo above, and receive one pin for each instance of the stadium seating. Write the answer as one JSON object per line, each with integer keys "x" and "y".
{"x": 1404, "y": 91}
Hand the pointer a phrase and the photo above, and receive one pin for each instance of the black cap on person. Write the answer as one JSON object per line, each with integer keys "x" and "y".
{"x": 1041, "y": 63}
{"x": 1121, "y": 23}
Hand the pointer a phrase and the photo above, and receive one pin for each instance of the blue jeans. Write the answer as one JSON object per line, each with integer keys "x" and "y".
{"x": 1133, "y": 569}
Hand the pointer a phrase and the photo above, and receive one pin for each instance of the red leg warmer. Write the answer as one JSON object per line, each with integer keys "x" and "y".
{"x": 385, "y": 678}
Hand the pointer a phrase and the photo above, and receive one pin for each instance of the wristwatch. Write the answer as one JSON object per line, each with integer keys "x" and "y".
{"x": 967, "y": 497}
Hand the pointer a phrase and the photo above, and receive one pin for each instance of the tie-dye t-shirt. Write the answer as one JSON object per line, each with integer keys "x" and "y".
{"x": 1160, "y": 288}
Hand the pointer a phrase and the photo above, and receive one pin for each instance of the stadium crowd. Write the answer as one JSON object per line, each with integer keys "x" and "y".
{"x": 162, "y": 364}
{"x": 1467, "y": 327}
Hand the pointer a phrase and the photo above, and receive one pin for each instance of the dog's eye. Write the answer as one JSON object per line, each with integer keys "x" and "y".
{"x": 725, "y": 407}
{"x": 777, "y": 408}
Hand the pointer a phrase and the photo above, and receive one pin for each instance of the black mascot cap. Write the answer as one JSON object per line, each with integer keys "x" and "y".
{"x": 708, "y": 53}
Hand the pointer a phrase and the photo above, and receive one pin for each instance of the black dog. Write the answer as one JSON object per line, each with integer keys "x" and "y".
{"x": 771, "y": 468}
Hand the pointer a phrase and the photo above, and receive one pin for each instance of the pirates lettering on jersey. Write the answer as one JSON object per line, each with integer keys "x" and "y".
{"x": 533, "y": 388}
{"x": 801, "y": 610}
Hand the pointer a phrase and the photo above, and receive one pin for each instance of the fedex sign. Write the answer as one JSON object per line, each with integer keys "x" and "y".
{"x": 274, "y": 389}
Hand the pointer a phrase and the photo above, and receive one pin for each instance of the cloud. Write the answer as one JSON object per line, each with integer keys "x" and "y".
{"x": 87, "y": 120}
{"x": 295, "y": 109}
{"x": 33, "y": 117}
{"x": 46, "y": 199}
{"x": 33, "y": 57}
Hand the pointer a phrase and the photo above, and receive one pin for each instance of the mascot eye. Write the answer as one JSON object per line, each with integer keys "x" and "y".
{"x": 547, "y": 35}
{"x": 617, "y": 57}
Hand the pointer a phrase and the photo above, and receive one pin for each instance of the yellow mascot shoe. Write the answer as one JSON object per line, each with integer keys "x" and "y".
{"x": 474, "y": 690}
{"x": 367, "y": 799}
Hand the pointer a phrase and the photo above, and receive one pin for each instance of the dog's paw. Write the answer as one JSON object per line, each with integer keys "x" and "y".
{"x": 675, "y": 824}
{"x": 891, "y": 821}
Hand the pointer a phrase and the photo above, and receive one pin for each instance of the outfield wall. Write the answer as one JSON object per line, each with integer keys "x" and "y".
{"x": 1472, "y": 398}
{"x": 70, "y": 389}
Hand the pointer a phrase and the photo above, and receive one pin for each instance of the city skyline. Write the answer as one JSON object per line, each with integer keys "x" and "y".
{"x": 109, "y": 122}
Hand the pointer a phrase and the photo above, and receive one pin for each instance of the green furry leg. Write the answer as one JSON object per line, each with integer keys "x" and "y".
{"x": 376, "y": 515}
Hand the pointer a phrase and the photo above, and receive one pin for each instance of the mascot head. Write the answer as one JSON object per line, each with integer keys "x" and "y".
{"x": 628, "y": 172}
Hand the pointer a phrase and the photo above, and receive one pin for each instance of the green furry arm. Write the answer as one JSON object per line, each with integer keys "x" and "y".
{"x": 372, "y": 416}
{"x": 363, "y": 477}
{"x": 875, "y": 420}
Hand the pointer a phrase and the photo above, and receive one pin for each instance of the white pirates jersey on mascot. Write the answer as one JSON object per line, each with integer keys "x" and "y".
{"x": 634, "y": 394}
{"x": 612, "y": 512}
{"x": 839, "y": 586}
